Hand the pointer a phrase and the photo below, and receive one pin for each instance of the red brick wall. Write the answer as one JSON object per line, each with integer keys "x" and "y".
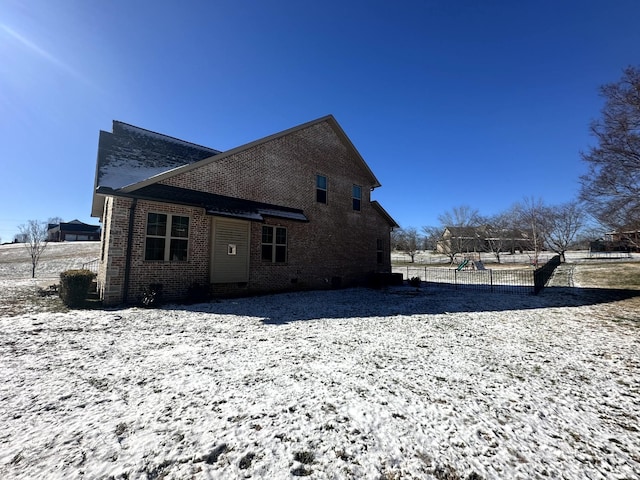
{"x": 336, "y": 242}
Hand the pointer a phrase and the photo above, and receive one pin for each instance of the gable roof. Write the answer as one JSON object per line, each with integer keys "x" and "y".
{"x": 214, "y": 204}
{"x": 220, "y": 156}
{"x": 465, "y": 232}
{"x": 73, "y": 226}
{"x": 131, "y": 159}
{"x": 130, "y": 154}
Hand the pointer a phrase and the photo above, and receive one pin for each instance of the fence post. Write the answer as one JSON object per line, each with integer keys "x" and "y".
{"x": 491, "y": 278}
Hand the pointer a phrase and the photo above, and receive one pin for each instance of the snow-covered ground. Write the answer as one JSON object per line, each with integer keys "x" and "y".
{"x": 346, "y": 384}
{"x": 15, "y": 261}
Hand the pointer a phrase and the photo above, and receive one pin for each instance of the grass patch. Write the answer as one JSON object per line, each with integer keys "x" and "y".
{"x": 26, "y": 300}
{"x": 621, "y": 275}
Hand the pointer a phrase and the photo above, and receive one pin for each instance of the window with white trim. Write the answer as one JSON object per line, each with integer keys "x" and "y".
{"x": 274, "y": 244}
{"x": 356, "y": 195}
{"x": 167, "y": 237}
{"x": 321, "y": 189}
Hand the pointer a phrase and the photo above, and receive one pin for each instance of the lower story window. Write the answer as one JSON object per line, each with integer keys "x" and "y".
{"x": 380, "y": 251}
{"x": 274, "y": 244}
{"x": 167, "y": 237}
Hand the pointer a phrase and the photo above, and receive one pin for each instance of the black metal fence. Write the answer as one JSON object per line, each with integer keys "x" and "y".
{"x": 542, "y": 275}
{"x": 524, "y": 282}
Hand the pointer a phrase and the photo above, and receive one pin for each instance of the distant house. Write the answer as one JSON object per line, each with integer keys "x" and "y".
{"x": 625, "y": 241}
{"x": 289, "y": 211}
{"x": 20, "y": 238}
{"x": 460, "y": 239}
{"x": 483, "y": 238}
{"x": 72, "y": 232}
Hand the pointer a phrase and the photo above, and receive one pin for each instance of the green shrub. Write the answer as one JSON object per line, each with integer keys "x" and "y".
{"x": 74, "y": 286}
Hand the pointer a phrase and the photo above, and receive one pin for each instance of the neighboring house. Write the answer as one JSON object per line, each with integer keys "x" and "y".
{"x": 626, "y": 241}
{"x": 482, "y": 238}
{"x": 72, "y": 231}
{"x": 460, "y": 239}
{"x": 289, "y": 211}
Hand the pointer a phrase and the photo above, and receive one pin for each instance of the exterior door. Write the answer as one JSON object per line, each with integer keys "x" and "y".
{"x": 230, "y": 250}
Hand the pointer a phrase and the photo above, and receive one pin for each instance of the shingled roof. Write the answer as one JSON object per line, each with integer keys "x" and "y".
{"x": 131, "y": 154}
{"x": 214, "y": 204}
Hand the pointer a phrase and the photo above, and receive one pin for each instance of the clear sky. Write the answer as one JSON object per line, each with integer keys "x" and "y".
{"x": 469, "y": 102}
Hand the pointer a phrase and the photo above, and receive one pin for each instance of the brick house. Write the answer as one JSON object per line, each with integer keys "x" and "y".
{"x": 289, "y": 211}
{"x": 72, "y": 232}
{"x": 484, "y": 238}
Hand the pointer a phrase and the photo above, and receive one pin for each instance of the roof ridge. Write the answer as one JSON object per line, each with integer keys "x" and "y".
{"x": 166, "y": 136}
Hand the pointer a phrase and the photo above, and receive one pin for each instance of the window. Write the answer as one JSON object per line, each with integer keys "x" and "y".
{"x": 321, "y": 189}
{"x": 380, "y": 250}
{"x": 357, "y": 197}
{"x": 274, "y": 244}
{"x": 167, "y": 237}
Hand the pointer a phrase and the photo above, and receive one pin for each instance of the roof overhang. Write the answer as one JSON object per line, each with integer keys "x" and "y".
{"x": 392, "y": 223}
{"x": 213, "y": 204}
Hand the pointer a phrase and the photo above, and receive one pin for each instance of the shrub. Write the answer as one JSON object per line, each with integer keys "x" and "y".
{"x": 414, "y": 281}
{"x": 74, "y": 286}
{"x": 152, "y": 295}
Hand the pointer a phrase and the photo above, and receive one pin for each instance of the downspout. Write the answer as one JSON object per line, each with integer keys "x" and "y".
{"x": 127, "y": 260}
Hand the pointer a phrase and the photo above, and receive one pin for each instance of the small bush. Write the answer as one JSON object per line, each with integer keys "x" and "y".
{"x": 304, "y": 457}
{"x": 152, "y": 295}
{"x": 74, "y": 286}
{"x": 414, "y": 281}
{"x": 245, "y": 462}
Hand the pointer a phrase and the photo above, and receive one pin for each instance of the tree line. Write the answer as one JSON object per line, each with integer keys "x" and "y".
{"x": 609, "y": 197}
{"x": 528, "y": 225}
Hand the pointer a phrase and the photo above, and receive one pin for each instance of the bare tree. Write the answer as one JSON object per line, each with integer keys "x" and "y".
{"x": 530, "y": 214}
{"x": 563, "y": 223}
{"x": 34, "y": 234}
{"x": 460, "y": 216}
{"x": 611, "y": 188}
{"x": 459, "y": 226}
{"x": 408, "y": 241}
{"x": 500, "y": 233}
{"x": 430, "y": 237}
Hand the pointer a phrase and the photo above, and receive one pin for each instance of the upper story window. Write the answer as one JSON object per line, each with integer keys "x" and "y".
{"x": 321, "y": 189}
{"x": 274, "y": 244}
{"x": 357, "y": 197}
{"x": 167, "y": 237}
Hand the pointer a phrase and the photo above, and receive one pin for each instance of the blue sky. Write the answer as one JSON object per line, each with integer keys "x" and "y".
{"x": 480, "y": 103}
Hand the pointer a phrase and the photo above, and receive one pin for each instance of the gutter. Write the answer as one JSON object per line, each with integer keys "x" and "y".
{"x": 127, "y": 261}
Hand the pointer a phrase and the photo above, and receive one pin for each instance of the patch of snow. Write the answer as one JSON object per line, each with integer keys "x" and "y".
{"x": 119, "y": 176}
{"x": 165, "y": 138}
{"x": 338, "y": 384}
